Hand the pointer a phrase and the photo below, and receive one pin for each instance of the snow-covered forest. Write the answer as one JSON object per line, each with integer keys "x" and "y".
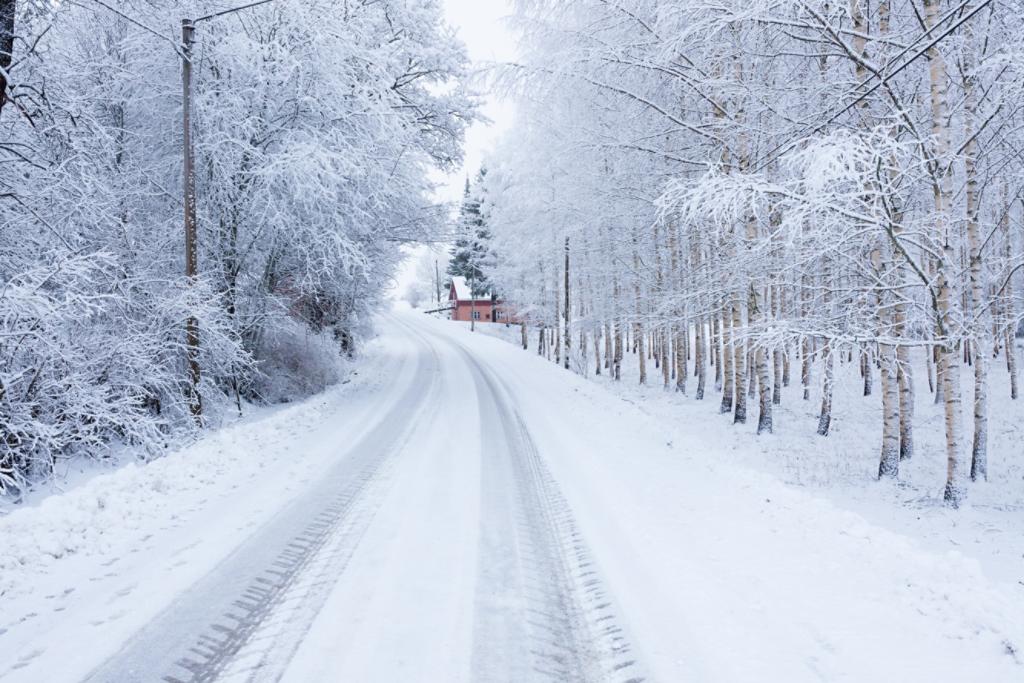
{"x": 737, "y": 196}
{"x": 314, "y": 126}
{"x": 511, "y": 341}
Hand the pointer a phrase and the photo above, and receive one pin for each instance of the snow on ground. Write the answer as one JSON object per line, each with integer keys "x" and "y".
{"x": 106, "y": 556}
{"x": 724, "y": 557}
{"x": 843, "y": 466}
{"x": 728, "y": 573}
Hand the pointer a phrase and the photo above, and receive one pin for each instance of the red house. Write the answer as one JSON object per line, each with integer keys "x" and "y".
{"x": 466, "y": 307}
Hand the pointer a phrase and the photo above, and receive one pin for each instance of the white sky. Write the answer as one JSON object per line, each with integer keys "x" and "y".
{"x": 481, "y": 26}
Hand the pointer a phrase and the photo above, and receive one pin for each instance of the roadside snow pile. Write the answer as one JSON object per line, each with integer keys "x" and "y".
{"x": 108, "y": 514}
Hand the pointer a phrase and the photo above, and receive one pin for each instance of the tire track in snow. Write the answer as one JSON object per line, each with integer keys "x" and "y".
{"x": 269, "y": 590}
{"x": 542, "y": 612}
{"x": 268, "y": 653}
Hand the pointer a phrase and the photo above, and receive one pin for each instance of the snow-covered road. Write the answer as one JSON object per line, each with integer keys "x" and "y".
{"x": 464, "y": 511}
{"x": 430, "y": 544}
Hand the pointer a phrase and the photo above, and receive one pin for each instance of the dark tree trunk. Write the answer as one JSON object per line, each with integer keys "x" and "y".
{"x": 7, "y": 14}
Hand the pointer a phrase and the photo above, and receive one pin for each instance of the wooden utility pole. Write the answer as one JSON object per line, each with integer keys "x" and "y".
{"x": 472, "y": 300}
{"x": 188, "y": 29}
{"x": 189, "y": 183}
{"x": 437, "y": 282}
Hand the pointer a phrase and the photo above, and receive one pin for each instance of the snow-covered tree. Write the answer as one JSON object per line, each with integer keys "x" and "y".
{"x": 750, "y": 187}
{"x": 472, "y": 253}
{"x": 315, "y": 127}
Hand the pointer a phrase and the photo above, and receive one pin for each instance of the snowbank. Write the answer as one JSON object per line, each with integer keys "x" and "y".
{"x": 108, "y": 515}
{"x": 727, "y": 573}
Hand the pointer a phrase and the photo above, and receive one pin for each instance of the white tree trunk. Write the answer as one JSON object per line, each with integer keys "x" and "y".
{"x": 889, "y": 464}
{"x": 700, "y": 357}
{"x": 727, "y": 355}
{"x": 828, "y": 363}
{"x": 739, "y": 365}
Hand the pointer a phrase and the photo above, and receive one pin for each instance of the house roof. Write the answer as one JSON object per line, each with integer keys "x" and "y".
{"x": 462, "y": 291}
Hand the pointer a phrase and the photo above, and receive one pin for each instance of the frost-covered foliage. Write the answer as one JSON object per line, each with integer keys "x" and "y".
{"x": 749, "y": 185}
{"x": 295, "y": 361}
{"x": 315, "y": 126}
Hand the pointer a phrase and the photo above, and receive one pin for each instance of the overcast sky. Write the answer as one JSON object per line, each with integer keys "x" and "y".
{"x": 481, "y": 26}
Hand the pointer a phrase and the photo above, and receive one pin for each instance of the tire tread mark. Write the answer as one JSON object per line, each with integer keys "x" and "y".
{"x": 339, "y": 525}
{"x": 585, "y": 641}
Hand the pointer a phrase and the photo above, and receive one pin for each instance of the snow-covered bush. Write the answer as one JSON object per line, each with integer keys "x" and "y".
{"x": 82, "y": 365}
{"x": 295, "y": 361}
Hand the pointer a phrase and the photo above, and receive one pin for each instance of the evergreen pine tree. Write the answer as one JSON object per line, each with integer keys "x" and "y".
{"x": 471, "y": 255}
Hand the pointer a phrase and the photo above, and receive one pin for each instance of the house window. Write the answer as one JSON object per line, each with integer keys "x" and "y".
{"x": 476, "y": 315}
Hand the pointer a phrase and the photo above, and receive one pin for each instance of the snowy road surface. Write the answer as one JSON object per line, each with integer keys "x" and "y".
{"x": 464, "y": 511}
{"x": 433, "y": 545}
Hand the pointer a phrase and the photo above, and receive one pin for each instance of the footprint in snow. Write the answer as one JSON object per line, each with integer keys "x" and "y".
{"x": 124, "y": 592}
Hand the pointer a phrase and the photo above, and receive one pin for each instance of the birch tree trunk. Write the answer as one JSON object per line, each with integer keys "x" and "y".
{"x": 608, "y": 353}
{"x": 638, "y": 327}
{"x": 778, "y": 372}
{"x": 556, "y": 329}
{"x": 825, "y": 417}
{"x": 617, "y": 356}
{"x": 700, "y": 357}
{"x": 805, "y": 348}
{"x": 979, "y": 304}
{"x": 929, "y": 364}
{"x": 583, "y": 348}
{"x": 716, "y": 353}
{"x": 671, "y": 343}
{"x": 828, "y": 362}
{"x": 764, "y": 418}
{"x": 948, "y": 368}
{"x": 889, "y": 464}
{"x": 764, "y": 382}
{"x": 1011, "y": 362}
{"x": 728, "y": 376}
{"x": 751, "y": 371}
{"x": 1009, "y": 320}
{"x": 785, "y": 351}
{"x": 865, "y": 369}
{"x": 640, "y": 340}
{"x": 905, "y": 378}
{"x": 568, "y": 308}
{"x": 739, "y": 365}
{"x": 889, "y": 461}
